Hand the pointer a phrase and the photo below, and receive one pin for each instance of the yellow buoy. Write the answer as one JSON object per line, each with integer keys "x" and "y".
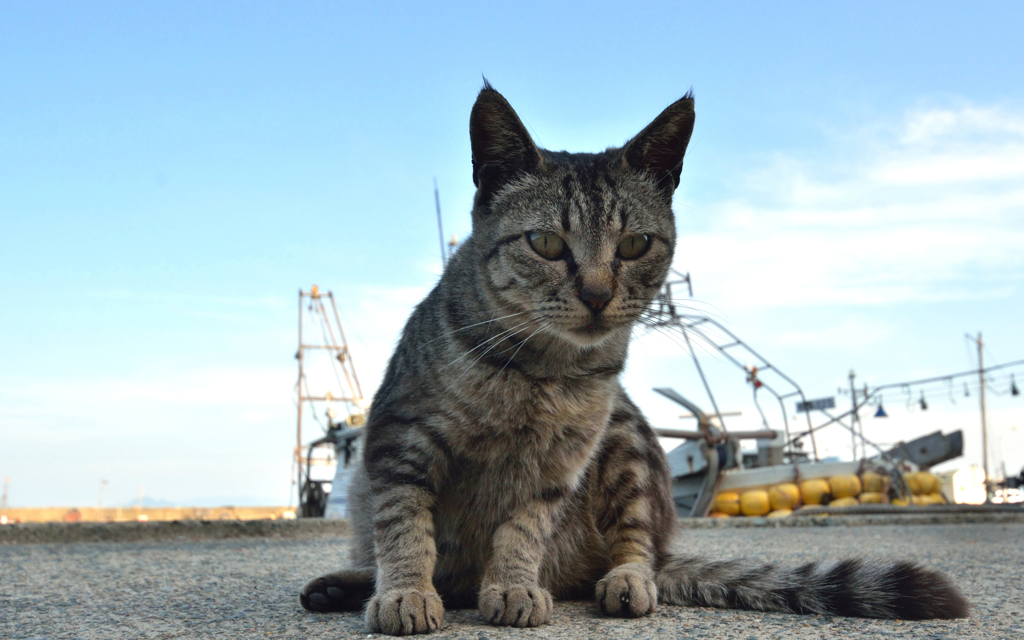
{"x": 784, "y": 496}
{"x": 728, "y": 503}
{"x": 718, "y": 514}
{"x": 848, "y": 501}
{"x": 780, "y": 513}
{"x": 871, "y": 497}
{"x": 900, "y": 502}
{"x": 846, "y": 486}
{"x": 937, "y": 498}
{"x": 873, "y": 482}
{"x": 922, "y": 501}
{"x": 755, "y": 503}
{"x": 815, "y": 491}
{"x": 920, "y": 482}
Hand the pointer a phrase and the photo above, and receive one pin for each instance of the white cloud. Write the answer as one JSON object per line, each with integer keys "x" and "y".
{"x": 226, "y": 386}
{"x": 933, "y": 210}
{"x": 1001, "y": 164}
{"x": 192, "y": 299}
{"x": 852, "y": 331}
{"x": 938, "y": 125}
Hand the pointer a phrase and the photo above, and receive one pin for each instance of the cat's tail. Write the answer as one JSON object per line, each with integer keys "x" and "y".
{"x": 862, "y": 588}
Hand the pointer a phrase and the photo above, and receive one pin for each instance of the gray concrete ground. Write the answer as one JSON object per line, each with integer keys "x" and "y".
{"x": 247, "y": 588}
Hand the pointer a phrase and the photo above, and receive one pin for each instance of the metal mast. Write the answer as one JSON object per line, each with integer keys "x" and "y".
{"x": 857, "y": 427}
{"x": 984, "y": 421}
{"x": 440, "y": 230}
{"x": 336, "y": 383}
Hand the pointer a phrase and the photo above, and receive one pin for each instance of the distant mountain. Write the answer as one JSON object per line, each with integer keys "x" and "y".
{"x": 235, "y": 501}
{"x": 153, "y": 502}
{"x": 210, "y": 501}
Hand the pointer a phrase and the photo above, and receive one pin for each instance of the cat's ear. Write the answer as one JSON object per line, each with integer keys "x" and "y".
{"x": 659, "y": 149}
{"x": 502, "y": 148}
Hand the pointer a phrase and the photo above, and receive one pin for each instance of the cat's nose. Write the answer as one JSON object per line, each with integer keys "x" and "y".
{"x": 596, "y": 297}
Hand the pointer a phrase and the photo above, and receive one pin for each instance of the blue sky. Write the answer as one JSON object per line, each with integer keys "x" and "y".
{"x": 170, "y": 175}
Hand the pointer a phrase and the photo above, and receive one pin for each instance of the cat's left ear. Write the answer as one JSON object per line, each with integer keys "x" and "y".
{"x": 502, "y": 148}
{"x": 659, "y": 149}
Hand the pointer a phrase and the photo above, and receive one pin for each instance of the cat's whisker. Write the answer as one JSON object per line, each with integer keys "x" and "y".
{"x": 699, "y": 342}
{"x": 477, "y": 324}
{"x": 492, "y": 319}
{"x": 696, "y": 307}
{"x": 503, "y": 334}
{"x": 514, "y": 345}
{"x": 491, "y": 348}
{"x": 496, "y": 344}
{"x": 498, "y": 337}
{"x": 539, "y": 329}
{"x": 667, "y": 332}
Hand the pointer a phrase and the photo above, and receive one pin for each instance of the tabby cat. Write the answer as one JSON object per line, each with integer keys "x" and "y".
{"x": 504, "y": 465}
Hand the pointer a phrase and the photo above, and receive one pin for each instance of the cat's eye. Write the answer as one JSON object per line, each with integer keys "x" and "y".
{"x": 634, "y": 246}
{"x": 548, "y": 245}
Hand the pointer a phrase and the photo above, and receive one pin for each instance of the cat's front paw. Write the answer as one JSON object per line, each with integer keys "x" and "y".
{"x": 341, "y": 591}
{"x": 627, "y": 591}
{"x": 400, "y": 612}
{"x": 520, "y": 605}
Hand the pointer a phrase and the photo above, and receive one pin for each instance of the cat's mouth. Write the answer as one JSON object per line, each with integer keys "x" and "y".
{"x": 590, "y": 333}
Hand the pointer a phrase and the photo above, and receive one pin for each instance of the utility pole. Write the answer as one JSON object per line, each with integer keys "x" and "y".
{"x": 863, "y": 441}
{"x": 984, "y": 422}
{"x": 853, "y": 416}
{"x": 3, "y": 496}
{"x": 298, "y": 388}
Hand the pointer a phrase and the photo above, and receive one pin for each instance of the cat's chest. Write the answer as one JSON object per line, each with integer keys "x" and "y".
{"x": 537, "y": 433}
{"x": 513, "y": 405}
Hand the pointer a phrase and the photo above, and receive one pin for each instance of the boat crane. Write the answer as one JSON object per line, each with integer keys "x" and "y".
{"x": 327, "y": 385}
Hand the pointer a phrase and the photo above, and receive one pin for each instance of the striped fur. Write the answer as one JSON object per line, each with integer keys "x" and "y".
{"x": 504, "y": 465}
{"x": 853, "y": 587}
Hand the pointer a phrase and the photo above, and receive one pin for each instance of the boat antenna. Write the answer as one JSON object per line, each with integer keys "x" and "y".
{"x": 440, "y": 230}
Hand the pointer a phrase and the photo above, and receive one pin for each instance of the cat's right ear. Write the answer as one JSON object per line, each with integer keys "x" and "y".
{"x": 502, "y": 148}
{"x": 658, "y": 150}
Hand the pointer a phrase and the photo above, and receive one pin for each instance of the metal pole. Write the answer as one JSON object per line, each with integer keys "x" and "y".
{"x": 810, "y": 429}
{"x": 440, "y": 231}
{"x": 298, "y": 427}
{"x": 984, "y": 422}
{"x": 853, "y": 418}
{"x": 707, "y": 387}
{"x": 863, "y": 440}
